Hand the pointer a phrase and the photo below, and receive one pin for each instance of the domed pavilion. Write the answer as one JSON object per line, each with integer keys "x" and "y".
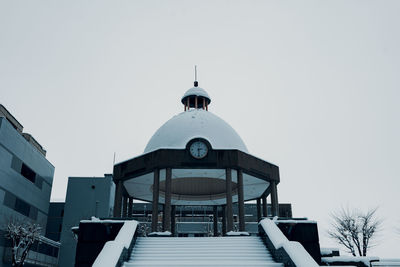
{"x": 196, "y": 158}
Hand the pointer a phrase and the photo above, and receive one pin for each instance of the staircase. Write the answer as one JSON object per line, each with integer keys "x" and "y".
{"x": 201, "y": 251}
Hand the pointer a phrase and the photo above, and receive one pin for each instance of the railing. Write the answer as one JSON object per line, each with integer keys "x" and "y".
{"x": 44, "y": 252}
{"x": 115, "y": 252}
{"x": 205, "y": 228}
{"x": 290, "y": 253}
{"x": 386, "y": 263}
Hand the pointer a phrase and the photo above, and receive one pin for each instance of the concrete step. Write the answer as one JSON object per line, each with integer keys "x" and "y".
{"x": 202, "y": 264}
{"x": 200, "y": 251}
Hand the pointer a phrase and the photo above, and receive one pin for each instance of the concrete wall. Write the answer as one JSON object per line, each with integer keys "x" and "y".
{"x": 21, "y": 198}
{"x": 54, "y": 220}
{"x": 14, "y": 122}
{"x": 86, "y": 197}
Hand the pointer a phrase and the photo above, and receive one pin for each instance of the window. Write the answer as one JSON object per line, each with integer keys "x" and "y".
{"x": 28, "y": 173}
{"x": 9, "y": 200}
{"x": 39, "y": 182}
{"x": 22, "y": 207}
{"x": 33, "y": 213}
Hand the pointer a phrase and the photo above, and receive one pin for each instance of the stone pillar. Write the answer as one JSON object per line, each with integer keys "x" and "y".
{"x": 258, "y": 210}
{"x": 173, "y": 225}
{"x": 124, "y": 206}
{"x": 264, "y": 206}
{"x": 229, "y": 211}
{"x": 130, "y": 206}
{"x": 274, "y": 199}
{"x": 215, "y": 220}
{"x": 242, "y": 223}
{"x": 118, "y": 199}
{"x": 223, "y": 220}
{"x": 167, "y": 210}
{"x": 156, "y": 193}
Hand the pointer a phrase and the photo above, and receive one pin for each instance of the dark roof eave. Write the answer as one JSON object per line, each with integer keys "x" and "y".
{"x": 180, "y": 158}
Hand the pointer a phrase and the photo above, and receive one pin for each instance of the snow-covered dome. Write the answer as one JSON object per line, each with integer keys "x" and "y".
{"x": 195, "y": 123}
{"x": 196, "y": 91}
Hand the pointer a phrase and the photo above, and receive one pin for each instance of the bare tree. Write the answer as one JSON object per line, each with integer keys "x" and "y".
{"x": 355, "y": 230}
{"x": 22, "y": 235}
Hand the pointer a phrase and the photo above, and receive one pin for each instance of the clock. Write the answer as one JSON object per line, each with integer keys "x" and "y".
{"x": 198, "y": 149}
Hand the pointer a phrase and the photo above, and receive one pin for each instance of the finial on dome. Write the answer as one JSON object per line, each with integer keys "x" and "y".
{"x": 196, "y": 97}
{"x": 196, "y": 83}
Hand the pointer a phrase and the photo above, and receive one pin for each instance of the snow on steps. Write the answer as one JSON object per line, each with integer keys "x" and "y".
{"x": 200, "y": 251}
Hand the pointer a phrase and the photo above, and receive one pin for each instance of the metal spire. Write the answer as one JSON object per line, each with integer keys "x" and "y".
{"x": 196, "y": 83}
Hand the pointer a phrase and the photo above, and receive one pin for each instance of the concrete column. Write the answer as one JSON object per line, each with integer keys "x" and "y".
{"x": 229, "y": 211}
{"x": 173, "y": 225}
{"x": 124, "y": 206}
{"x": 118, "y": 199}
{"x": 156, "y": 193}
{"x": 215, "y": 220}
{"x": 163, "y": 218}
{"x": 274, "y": 199}
{"x": 223, "y": 219}
{"x": 242, "y": 223}
{"x": 264, "y": 206}
{"x": 130, "y": 206}
{"x": 167, "y": 213}
{"x": 258, "y": 209}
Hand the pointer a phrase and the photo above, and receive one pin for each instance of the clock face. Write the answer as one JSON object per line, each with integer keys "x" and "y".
{"x": 198, "y": 149}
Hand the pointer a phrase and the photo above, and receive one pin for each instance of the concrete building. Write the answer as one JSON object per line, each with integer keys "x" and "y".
{"x": 55, "y": 220}
{"x": 86, "y": 197}
{"x": 25, "y": 184}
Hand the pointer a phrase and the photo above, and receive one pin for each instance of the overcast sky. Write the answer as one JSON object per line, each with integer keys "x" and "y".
{"x": 311, "y": 86}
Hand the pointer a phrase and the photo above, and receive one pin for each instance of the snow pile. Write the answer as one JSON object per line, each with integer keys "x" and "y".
{"x": 97, "y": 220}
{"x": 231, "y": 233}
{"x": 295, "y": 250}
{"x": 365, "y": 260}
{"x": 294, "y": 221}
{"x": 166, "y": 233}
{"x": 386, "y": 262}
{"x": 112, "y": 250}
{"x": 274, "y": 233}
{"x": 109, "y": 255}
{"x": 328, "y": 251}
{"x": 126, "y": 233}
{"x": 298, "y": 254}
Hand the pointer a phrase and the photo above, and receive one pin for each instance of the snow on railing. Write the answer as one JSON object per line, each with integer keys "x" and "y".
{"x": 386, "y": 263}
{"x": 112, "y": 250}
{"x": 352, "y": 259}
{"x": 296, "y": 252}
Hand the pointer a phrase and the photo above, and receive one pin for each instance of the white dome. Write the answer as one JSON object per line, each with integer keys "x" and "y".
{"x": 197, "y": 91}
{"x": 195, "y": 123}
